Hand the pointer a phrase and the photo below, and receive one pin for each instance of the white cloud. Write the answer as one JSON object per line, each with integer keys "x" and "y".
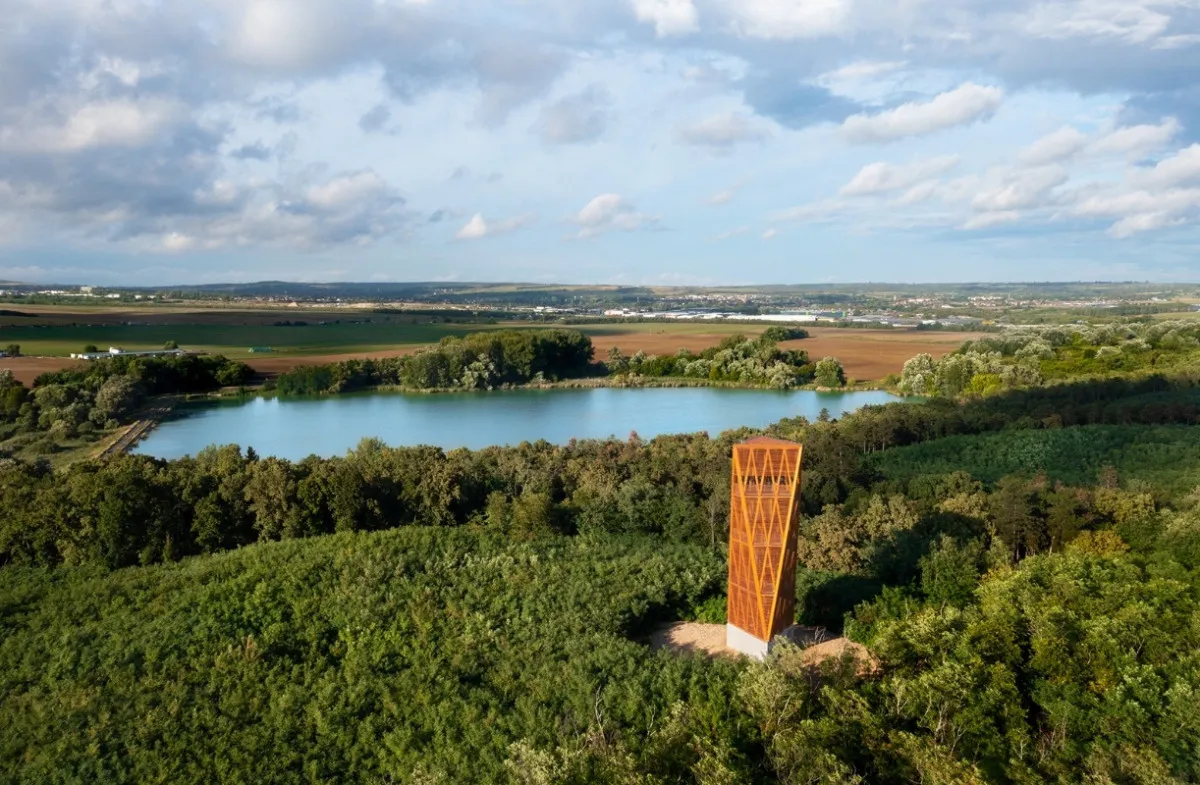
{"x": 960, "y": 106}
{"x": 1053, "y": 147}
{"x": 174, "y": 242}
{"x": 284, "y": 34}
{"x": 1143, "y": 211}
{"x": 478, "y": 228}
{"x": 1132, "y": 21}
{"x": 1176, "y": 41}
{"x": 474, "y": 228}
{"x": 879, "y": 177}
{"x": 737, "y": 231}
{"x": 814, "y": 211}
{"x": 1136, "y": 140}
{"x": 861, "y": 70}
{"x": 1177, "y": 169}
{"x": 610, "y": 212}
{"x": 115, "y": 123}
{"x": 721, "y": 132}
{"x": 1139, "y": 202}
{"x": 787, "y": 19}
{"x": 670, "y": 17}
{"x": 770, "y": 234}
{"x": 720, "y": 197}
{"x": 1137, "y": 210}
{"x": 1144, "y": 222}
{"x": 986, "y": 220}
{"x": 347, "y": 189}
{"x": 576, "y": 118}
{"x": 1020, "y": 188}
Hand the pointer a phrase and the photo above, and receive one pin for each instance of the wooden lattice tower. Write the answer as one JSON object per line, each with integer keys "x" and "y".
{"x": 764, "y": 498}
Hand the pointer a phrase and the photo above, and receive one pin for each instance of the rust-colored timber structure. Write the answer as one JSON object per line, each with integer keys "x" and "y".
{"x": 764, "y": 498}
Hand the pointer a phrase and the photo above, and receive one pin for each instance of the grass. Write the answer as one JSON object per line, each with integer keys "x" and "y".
{"x": 1167, "y": 456}
{"x": 60, "y": 453}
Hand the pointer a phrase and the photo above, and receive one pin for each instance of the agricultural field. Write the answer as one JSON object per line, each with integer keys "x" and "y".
{"x": 48, "y": 335}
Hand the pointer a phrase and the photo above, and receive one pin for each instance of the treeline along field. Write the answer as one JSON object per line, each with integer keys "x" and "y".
{"x": 476, "y": 361}
{"x": 492, "y": 359}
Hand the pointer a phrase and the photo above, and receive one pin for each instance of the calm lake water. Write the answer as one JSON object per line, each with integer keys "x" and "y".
{"x": 297, "y": 427}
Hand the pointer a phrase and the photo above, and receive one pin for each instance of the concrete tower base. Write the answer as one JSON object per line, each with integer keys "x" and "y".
{"x": 743, "y": 642}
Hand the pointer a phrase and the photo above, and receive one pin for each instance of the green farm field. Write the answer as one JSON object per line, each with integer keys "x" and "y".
{"x": 232, "y": 340}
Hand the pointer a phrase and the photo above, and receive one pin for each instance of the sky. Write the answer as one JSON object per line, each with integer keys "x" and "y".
{"x": 641, "y": 142}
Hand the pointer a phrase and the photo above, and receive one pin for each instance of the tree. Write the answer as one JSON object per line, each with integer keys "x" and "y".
{"x": 12, "y": 395}
{"x": 1015, "y": 511}
{"x": 91, "y": 348}
{"x": 918, "y": 375}
{"x": 171, "y": 345}
{"x": 116, "y": 398}
{"x": 829, "y": 372}
{"x": 777, "y": 333}
{"x": 950, "y": 571}
{"x": 13, "y": 350}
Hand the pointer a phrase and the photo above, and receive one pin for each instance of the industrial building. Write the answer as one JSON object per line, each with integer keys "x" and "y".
{"x": 117, "y": 351}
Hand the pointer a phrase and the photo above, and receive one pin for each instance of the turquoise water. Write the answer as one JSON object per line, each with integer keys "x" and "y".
{"x": 297, "y": 427}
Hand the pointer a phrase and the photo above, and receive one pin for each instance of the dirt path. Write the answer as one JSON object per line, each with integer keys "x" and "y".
{"x": 709, "y": 640}
{"x": 136, "y": 431}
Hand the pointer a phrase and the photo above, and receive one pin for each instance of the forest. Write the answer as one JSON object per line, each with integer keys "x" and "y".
{"x": 1023, "y": 566}
{"x": 737, "y": 359}
{"x": 487, "y": 360}
{"x": 1030, "y": 356}
{"x": 477, "y": 361}
{"x": 102, "y": 395}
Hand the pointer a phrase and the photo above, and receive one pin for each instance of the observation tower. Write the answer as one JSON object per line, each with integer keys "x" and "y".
{"x": 763, "y": 503}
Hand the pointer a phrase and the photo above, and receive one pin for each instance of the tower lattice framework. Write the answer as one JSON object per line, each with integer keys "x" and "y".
{"x": 764, "y": 498}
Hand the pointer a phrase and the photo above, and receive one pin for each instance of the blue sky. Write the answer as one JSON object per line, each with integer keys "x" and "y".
{"x": 627, "y": 141}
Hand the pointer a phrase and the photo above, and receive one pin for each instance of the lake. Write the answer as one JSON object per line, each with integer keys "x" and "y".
{"x": 296, "y": 427}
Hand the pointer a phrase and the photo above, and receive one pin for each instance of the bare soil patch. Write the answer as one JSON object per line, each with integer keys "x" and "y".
{"x": 273, "y": 365}
{"x": 865, "y": 354}
{"x": 692, "y": 638}
{"x": 839, "y": 648}
{"x": 26, "y": 369}
{"x": 709, "y": 640}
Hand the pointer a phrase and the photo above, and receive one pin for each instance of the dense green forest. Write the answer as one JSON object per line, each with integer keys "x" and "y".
{"x": 1030, "y": 356}
{"x": 102, "y": 395}
{"x": 1166, "y": 458}
{"x": 429, "y": 654}
{"x": 418, "y": 655}
{"x": 1023, "y": 565}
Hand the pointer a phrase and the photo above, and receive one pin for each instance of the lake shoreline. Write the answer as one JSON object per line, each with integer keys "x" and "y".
{"x": 296, "y": 426}
{"x": 582, "y": 383}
